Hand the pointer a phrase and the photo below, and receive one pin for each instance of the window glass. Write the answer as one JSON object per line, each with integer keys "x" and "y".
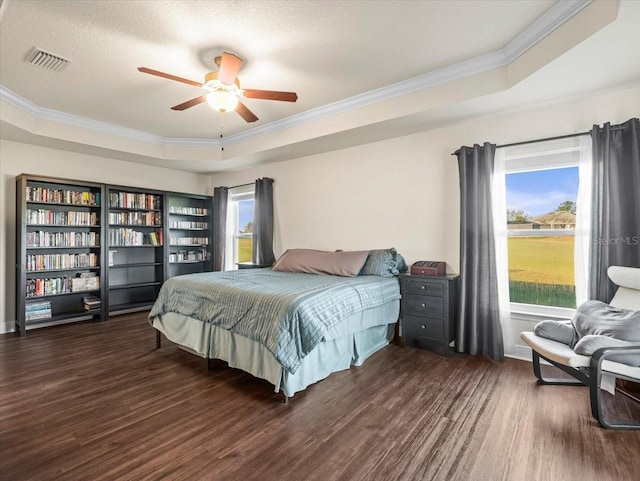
{"x": 541, "y": 208}
{"x": 244, "y": 230}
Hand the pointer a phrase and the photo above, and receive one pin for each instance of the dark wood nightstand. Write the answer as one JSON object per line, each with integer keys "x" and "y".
{"x": 428, "y": 311}
{"x": 250, "y": 265}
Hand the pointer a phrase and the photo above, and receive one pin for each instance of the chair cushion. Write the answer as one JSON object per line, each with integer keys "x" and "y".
{"x": 598, "y": 318}
{"x": 563, "y": 354}
{"x": 560, "y": 331}
{"x": 590, "y": 344}
{"x": 556, "y": 351}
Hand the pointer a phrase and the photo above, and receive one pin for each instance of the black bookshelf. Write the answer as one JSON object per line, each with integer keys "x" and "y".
{"x": 190, "y": 234}
{"x": 135, "y": 247}
{"x": 60, "y": 266}
{"x": 109, "y": 244}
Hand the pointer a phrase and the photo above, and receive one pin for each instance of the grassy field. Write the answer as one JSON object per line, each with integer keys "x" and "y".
{"x": 244, "y": 250}
{"x": 543, "y": 260}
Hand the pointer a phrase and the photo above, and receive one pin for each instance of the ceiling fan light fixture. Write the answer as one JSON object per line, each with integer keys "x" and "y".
{"x": 222, "y": 101}
{"x": 221, "y": 97}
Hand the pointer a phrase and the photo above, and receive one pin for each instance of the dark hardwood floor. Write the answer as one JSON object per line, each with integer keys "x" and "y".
{"x": 95, "y": 401}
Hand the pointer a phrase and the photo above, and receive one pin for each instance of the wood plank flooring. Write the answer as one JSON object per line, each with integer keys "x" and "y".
{"x": 95, "y": 401}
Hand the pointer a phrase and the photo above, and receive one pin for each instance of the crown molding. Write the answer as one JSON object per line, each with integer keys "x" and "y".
{"x": 44, "y": 113}
{"x": 543, "y": 26}
{"x": 553, "y": 18}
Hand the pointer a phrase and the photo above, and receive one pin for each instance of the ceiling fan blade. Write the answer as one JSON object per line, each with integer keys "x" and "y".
{"x": 271, "y": 95}
{"x": 190, "y": 103}
{"x": 169, "y": 76}
{"x": 245, "y": 113}
{"x": 229, "y": 68}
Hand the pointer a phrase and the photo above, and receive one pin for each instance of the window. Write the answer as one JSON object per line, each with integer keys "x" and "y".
{"x": 244, "y": 233}
{"x": 239, "y": 242}
{"x": 541, "y": 183}
{"x": 541, "y": 219}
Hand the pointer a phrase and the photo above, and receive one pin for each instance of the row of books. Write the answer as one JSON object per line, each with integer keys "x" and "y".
{"x": 128, "y": 237}
{"x": 91, "y": 303}
{"x": 189, "y": 256}
{"x": 136, "y": 218}
{"x": 62, "y": 239}
{"x": 37, "y": 310}
{"x": 43, "y": 262}
{"x": 187, "y": 225}
{"x": 62, "y": 196}
{"x": 48, "y": 217}
{"x": 185, "y": 241}
{"x": 188, "y": 210}
{"x": 132, "y": 200}
{"x": 60, "y": 285}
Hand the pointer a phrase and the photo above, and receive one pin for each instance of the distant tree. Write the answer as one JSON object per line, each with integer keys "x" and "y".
{"x": 248, "y": 229}
{"x": 514, "y": 215}
{"x": 567, "y": 206}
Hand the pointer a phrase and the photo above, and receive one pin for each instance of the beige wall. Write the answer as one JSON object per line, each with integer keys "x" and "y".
{"x": 17, "y": 158}
{"x": 401, "y": 192}
{"x": 404, "y": 192}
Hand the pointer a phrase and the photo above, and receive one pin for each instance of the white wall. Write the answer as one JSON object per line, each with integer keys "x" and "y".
{"x": 17, "y": 158}
{"x": 404, "y": 192}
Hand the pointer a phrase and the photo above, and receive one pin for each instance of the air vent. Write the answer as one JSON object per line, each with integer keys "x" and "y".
{"x": 47, "y": 60}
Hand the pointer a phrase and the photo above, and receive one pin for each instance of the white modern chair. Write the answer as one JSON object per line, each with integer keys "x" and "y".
{"x": 590, "y": 370}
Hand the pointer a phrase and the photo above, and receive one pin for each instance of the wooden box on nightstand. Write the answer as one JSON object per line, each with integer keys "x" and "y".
{"x": 428, "y": 310}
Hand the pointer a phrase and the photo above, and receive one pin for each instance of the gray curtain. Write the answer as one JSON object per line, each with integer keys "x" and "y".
{"x": 478, "y": 329}
{"x": 262, "y": 252}
{"x": 220, "y": 198}
{"x": 615, "y": 221}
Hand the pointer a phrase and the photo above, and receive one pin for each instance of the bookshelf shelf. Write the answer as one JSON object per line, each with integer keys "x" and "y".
{"x": 136, "y": 246}
{"x": 61, "y": 212}
{"x": 188, "y": 214}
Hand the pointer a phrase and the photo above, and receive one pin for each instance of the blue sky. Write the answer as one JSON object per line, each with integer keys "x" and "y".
{"x": 541, "y": 191}
{"x": 245, "y": 213}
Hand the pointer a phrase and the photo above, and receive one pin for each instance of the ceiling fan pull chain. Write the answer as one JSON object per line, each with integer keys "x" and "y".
{"x": 221, "y": 132}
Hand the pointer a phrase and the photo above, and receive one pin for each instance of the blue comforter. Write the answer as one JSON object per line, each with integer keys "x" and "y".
{"x": 288, "y": 313}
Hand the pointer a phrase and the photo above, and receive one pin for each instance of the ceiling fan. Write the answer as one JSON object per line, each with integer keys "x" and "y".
{"x": 224, "y": 92}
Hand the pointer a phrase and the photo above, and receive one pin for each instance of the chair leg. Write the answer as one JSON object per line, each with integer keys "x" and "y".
{"x": 551, "y": 381}
{"x": 158, "y": 339}
{"x": 595, "y": 394}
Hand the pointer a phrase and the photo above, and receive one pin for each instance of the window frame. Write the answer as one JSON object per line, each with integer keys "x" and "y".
{"x": 236, "y": 195}
{"x": 530, "y": 159}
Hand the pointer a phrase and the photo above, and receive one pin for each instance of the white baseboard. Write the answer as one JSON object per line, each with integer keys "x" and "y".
{"x": 7, "y": 326}
{"x": 519, "y": 352}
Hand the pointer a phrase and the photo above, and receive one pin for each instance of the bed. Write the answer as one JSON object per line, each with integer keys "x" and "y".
{"x": 290, "y": 328}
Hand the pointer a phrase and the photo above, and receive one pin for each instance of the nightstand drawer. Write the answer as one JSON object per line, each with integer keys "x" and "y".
{"x": 427, "y": 306}
{"x": 423, "y": 327}
{"x": 423, "y": 288}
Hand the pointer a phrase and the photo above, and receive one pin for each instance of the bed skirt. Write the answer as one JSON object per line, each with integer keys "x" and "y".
{"x": 350, "y": 343}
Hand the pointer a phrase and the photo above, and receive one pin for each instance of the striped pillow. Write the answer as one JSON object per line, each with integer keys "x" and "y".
{"x": 384, "y": 263}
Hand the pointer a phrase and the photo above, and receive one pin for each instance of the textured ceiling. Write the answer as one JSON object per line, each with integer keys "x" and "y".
{"x": 363, "y": 70}
{"x": 326, "y": 51}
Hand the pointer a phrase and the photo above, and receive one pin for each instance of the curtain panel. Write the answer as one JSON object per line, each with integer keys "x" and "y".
{"x": 262, "y": 252}
{"x": 615, "y": 218}
{"x": 478, "y": 329}
{"x": 220, "y": 200}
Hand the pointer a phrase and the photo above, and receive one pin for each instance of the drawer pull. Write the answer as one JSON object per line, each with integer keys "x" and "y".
{"x": 423, "y": 287}
{"x": 423, "y": 326}
{"x": 424, "y": 305}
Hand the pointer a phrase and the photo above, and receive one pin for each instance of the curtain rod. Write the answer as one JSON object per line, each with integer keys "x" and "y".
{"x": 248, "y": 183}
{"x": 568, "y": 136}
{"x": 241, "y": 185}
